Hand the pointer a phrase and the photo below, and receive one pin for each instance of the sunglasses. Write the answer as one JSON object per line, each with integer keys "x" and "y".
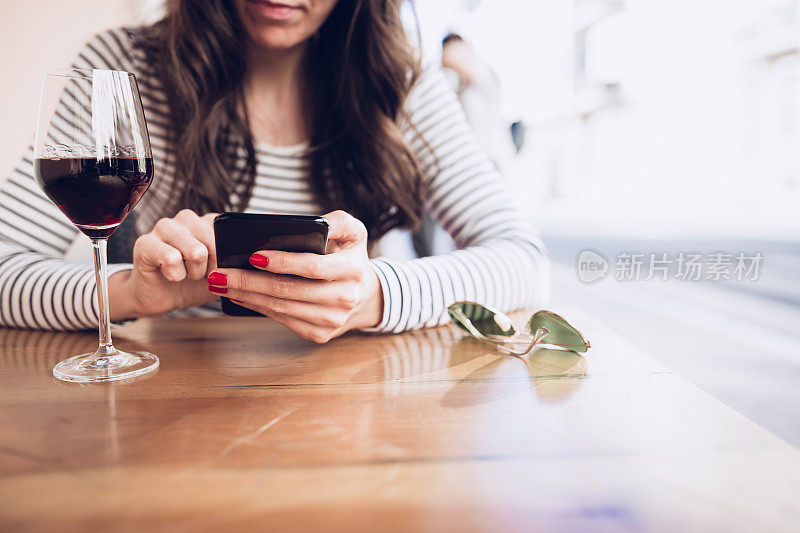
{"x": 495, "y": 328}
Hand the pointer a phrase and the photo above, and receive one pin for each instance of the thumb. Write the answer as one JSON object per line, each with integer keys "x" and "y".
{"x": 345, "y": 228}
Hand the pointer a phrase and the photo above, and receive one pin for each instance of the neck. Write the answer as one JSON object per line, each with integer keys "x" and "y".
{"x": 278, "y": 73}
{"x": 273, "y": 91}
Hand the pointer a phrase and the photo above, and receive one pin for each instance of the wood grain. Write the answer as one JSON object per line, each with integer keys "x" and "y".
{"x": 246, "y": 426}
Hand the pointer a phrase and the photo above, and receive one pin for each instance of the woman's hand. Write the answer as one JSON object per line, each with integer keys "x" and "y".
{"x": 317, "y": 296}
{"x": 170, "y": 265}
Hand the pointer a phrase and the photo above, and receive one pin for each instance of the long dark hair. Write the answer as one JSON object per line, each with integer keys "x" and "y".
{"x": 360, "y": 69}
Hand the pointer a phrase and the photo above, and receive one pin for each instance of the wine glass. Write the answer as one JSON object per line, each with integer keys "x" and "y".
{"x": 92, "y": 158}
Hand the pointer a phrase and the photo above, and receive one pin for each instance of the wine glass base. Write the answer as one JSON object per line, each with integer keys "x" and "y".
{"x": 94, "y": 367}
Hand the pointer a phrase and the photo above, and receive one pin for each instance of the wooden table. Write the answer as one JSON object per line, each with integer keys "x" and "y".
{"x": 246, "y": 426}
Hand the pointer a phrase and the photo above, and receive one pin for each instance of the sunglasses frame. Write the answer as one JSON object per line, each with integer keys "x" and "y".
{"x": 500, "y": 342}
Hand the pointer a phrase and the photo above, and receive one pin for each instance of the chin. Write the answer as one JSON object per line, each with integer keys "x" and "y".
{"x": 276, "y": 39}
{"x": 282, "y": 24}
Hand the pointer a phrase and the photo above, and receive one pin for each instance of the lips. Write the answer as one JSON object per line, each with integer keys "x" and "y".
{"x": 273, "y": 10}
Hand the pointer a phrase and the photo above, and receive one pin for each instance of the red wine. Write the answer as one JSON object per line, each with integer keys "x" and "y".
{"x": 96, "y": 194}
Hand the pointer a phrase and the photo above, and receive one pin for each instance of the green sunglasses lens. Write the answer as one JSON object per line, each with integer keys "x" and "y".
{"x": 484, "y": 320}
{"x": 561, "y": 333}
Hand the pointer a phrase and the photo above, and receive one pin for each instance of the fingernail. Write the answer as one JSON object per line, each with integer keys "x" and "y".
{"x": 258, "y": 260}
{"x": 217, "y": 278}
{"x": 218, "y": 290}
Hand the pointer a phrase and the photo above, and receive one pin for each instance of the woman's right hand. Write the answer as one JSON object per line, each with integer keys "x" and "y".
{"x": 170, "y": 266}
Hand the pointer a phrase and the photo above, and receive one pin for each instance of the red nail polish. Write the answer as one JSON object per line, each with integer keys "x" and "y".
{"x": 258, "y": 260}
{"x": 217, "y": 278}
{"x": 218, "y": 290}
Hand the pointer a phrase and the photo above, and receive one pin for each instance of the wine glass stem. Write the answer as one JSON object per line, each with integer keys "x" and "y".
{"x": 101, "y": 275}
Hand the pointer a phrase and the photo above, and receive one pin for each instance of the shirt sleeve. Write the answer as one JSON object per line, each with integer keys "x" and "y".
{"x": 500, "y": 261}
{"x": 38, "y": 288}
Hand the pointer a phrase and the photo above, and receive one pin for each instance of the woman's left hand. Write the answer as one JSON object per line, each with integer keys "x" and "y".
{"x": 317, "y": 296}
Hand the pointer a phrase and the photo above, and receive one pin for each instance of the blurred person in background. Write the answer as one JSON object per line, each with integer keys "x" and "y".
{"x": 297, "y": 107}
{"x": 478, "y": 89}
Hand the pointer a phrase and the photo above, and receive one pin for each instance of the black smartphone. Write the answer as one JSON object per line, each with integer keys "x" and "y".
{"x": 240, "y": 235}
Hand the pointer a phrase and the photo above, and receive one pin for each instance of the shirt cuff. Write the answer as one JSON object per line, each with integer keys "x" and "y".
{"x": 392, "y": 296}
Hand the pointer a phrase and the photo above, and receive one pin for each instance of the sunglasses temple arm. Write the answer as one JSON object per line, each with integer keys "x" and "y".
{"x": 498, "y": 344}
{"x": 525, "y": 338}
{"x": 467, "y": 323}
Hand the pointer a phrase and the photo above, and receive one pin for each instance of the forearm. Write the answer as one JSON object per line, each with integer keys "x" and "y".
{"x": 46, "y": 293}
{"x": 503, "y": 273}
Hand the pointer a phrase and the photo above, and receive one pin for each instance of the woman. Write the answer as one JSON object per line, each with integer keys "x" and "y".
{"x": 300, "y": 107}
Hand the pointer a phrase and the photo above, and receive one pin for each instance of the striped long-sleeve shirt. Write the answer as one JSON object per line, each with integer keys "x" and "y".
{"x": 500, "y": 260}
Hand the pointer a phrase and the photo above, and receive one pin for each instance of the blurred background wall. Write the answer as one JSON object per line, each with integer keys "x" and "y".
{"x": 642, "y": 111}
{"x": 41, "y": 35}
